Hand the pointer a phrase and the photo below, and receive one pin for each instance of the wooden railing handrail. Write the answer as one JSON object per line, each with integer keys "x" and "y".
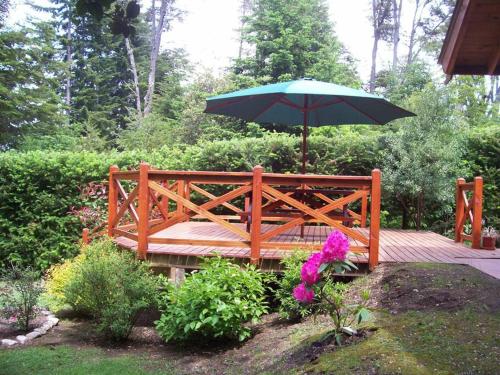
{"x": 155, "y": 189}
{"x": 469, "y": 210}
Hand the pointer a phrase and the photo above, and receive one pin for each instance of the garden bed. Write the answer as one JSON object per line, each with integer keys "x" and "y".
{"x": 425, "y": 315}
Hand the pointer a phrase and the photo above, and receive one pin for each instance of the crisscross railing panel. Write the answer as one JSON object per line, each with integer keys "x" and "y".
{"x": 282, "y": 201}
{"x": 469, "y": 210}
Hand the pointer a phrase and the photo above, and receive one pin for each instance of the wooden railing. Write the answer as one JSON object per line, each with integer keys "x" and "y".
{"x": 469, "y": 209}
{"x": 143, "y": 203}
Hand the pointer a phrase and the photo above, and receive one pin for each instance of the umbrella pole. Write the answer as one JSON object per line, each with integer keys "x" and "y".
{"x": 304, "y": 152}
{"x": 304, "y": 136}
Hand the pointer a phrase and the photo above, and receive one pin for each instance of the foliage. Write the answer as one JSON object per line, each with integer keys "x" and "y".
{"x": 293, "y": 40}
{"x": 57, "y": 279}
{"x": 19, "y": 296}
{"x": 213, "y": 303}
{"x": 110, "y": 285}
{"x": 422, "y": 158}
{"x": 483, "y": 148}
{"x": 316, "y": 277}
{"x": 289, "y": 307}
{"x": 29, "y": 77}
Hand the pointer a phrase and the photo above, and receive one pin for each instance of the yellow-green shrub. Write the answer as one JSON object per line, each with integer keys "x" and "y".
{"x": 58, "y": 277}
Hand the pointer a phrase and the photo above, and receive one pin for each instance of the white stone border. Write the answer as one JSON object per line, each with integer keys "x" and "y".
{"x": 37, "y": 332}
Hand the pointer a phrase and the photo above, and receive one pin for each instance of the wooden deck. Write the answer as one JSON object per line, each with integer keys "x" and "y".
{"x": 395, "y": 246}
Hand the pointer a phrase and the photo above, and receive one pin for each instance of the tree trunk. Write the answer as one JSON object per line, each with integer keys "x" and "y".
{"x": 376, "y": 37}
{"x": 396, "y": 13}
{"x": 413, "y": 32}
{"x": 69, "y": 60}
{"x": 246, "y": 6}
{"x": 420, "y": 209}
{"x": 133, "y": 68}
{"x": 155, "y": 49}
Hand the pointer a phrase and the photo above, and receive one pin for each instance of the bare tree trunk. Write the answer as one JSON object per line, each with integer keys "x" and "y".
{"x": 413, "y": 31}
{"x": 396, "y": 13}
{"x": 246, "y": 6}
{"x": 375, "y": 46}
{"x": 133, "y": 67}
{"x": 69, "y": 60}
{"x": 155, "y": 49}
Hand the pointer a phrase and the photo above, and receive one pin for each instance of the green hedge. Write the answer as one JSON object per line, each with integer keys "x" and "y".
{"x": 38, "y": 189}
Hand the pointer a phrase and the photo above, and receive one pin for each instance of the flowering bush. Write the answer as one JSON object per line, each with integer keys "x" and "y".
{"x": 316, "y": 274}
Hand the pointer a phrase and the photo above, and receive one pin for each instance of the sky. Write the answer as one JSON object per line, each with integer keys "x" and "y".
{"x": 209, "y": 31}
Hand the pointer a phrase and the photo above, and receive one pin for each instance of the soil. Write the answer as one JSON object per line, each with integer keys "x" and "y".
{"x": 278, "y": 346}
{"x": 422, "y": 287}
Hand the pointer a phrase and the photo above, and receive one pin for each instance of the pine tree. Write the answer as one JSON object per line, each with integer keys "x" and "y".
{"x": 29, "y": 80}
{"x": 293, "y": 39}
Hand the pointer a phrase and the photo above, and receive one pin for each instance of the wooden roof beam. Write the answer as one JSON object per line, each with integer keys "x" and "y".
{"x": 455, "y": 35}
{"x": 492, "y": 65}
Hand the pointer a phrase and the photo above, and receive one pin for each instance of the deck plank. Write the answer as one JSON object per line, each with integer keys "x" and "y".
{"x": 396, "y": 245}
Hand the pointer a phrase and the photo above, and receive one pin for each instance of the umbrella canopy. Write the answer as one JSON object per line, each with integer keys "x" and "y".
{"x": 306, "y": 102}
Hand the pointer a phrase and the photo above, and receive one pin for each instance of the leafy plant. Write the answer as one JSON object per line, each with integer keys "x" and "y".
{"x": 316, "y": 275}
{"x": 20, "y": 295}
{"x": 108, "y": 284}
{"x": 289, "y": 307}
{"x": 213, "y": 303}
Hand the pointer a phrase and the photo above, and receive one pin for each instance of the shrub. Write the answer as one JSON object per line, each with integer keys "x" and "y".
{"x": 58, "y": 277}
{"x": 213, "y": 303}
{"x": 108, "y": 284}
{"x": 19, "y": 297}
{"x": 289, "y": 307}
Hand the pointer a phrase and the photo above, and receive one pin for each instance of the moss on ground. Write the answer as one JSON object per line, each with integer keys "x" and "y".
{"x": 446, "y": 338}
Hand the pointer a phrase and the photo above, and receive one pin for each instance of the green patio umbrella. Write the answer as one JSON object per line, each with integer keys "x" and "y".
{"x": 306, "y": 102}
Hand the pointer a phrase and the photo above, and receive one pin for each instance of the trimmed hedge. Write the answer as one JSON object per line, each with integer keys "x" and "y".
{"x": 38, "y": 189}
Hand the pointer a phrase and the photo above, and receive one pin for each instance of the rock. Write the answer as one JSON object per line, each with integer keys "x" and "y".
{"x": 349, "y": 331}
{"x": 46, "y": 326}
{"x": 21, "y": 339}
{"x": 40, "y": 330}
{"x": 54, "y": 321}
{"x": 33, "y": 335}
{"x": 46, "y": 313}
{"x": 7, "y": 342}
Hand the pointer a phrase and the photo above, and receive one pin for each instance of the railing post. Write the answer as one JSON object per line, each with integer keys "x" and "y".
{"x": 143, "y": 211}
{"x": 364, "y": 209}
{"x": 85, "y": 236}
{"x": 374, "y": 220}
{"x": 459, "y": 210}
{"x": 477, "y": 210}
{"x": 256, "y": 215}
{"x": 187, "y": 194}
{"x": 112, "y": 198}
{"x": 180, "y": 192}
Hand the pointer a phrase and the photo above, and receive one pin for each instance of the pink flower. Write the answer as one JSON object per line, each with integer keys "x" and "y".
{"x": 302, "y": 294}
{"x": 335, "y": 247}
{"x": 309, "y": 272}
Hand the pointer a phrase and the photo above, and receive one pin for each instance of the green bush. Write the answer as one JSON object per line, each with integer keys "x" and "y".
{"x": 111, "y": 286}
{"x": 213, "y": 303}
{"x": 289, "y": 308}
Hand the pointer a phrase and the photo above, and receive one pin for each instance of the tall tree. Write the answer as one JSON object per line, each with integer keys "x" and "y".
{"x": 423, "y": 157}
{"x": 429, "y": 24}
{"x": 293, "y": 39}
{"x": 382, "y": 18}
{"x": 29, "y": 80}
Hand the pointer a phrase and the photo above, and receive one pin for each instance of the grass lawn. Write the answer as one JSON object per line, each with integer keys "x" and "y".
{"x": 62, "y": 360}
{"x": 428, "y": 319}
